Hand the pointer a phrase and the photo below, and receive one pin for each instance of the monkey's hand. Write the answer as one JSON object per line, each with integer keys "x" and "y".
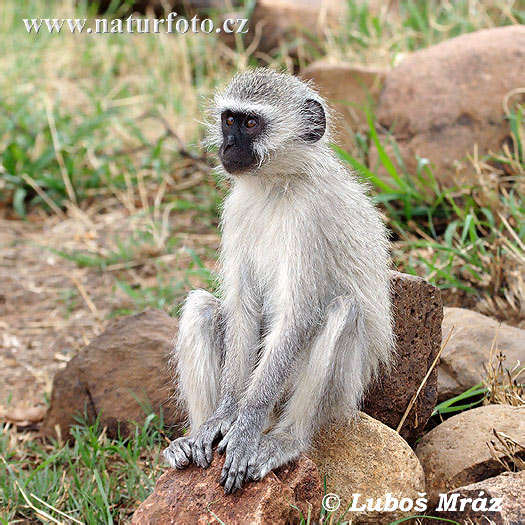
{"x": 216, "y": 426}
{"x": 241, "y": 444}
{"x": 178, "y": 454}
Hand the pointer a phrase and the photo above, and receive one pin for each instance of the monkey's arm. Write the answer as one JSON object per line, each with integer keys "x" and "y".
{"x": 282, "y": 345}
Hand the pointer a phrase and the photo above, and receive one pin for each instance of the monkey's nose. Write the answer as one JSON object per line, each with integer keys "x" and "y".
{"x": 229, "y": 141}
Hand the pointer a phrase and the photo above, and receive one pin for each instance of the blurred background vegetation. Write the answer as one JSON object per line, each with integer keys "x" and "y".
{"x": 109, "y": 204}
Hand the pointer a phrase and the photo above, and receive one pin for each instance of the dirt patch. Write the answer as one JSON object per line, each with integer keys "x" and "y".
{"x": 51, "y": 306}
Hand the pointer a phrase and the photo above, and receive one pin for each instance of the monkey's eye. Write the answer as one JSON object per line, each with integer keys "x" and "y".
{"x": 230, "y": 120}
{"x": 251, "y": 122}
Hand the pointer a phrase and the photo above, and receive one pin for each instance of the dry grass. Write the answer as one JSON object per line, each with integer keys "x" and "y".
{"x": 484, "y": 253}
{"x": 53, "y": 305}
{"x": 124, "y": 110}
{"x": 504, "y": 386}
{"x": 69, "y": 269}
{"x": 507, "y": 452}
{"x": 503, "y": 175}
{"x": 158, "y": 74}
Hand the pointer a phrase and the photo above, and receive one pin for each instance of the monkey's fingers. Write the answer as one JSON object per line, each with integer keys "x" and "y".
{"x": 235, "y": 476}
{"x": 252, "y": 471}
{"x": 208, "y": 453}
{"x": 221, "y": 447}
{"x": 178, "y": 453}
{"x": 225, "y": 469}
{"x": 225, "y": 427}
{"x": 202, "y": 453}
{"x": 258, "y": 472}
{"x": 203, "y": 443}
{"x": 185, "y": 445}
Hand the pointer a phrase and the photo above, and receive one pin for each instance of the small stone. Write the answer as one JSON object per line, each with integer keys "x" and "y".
{"x": 418, "y": 314}
{"x": 194, "y": 496}
{"x": 508, "y": 487}
{"x": 122, "y": 368}
{"x": 468, "y": 350}
{"x": 456, "y": 452}
{"x": 365, "y": 457}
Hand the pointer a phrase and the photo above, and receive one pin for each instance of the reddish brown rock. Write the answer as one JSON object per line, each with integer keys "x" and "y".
{"x": 274, "y": 22}
{"x": 456, "y": 453}
{"x": 418, "y": 314}
{"x": 194, "y": 496}
{"x": 123, "y": 367}
{"x": 442, "y": 100}
{"x": 349, "y": 89}
{"x": 468, "y": 350}
{"x": 509, "y": 487}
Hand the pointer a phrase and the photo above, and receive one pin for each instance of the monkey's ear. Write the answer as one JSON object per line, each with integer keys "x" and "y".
{"x": 314, "y": 120}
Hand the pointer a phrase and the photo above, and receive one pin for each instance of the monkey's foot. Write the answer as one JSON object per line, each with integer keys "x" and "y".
{"x": 178, "y": 453}
{"x": 275, "y": 449}
{"x": 241, "y": 450}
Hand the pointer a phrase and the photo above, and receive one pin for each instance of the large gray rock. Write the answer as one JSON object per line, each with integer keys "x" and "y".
{"x": 418, "y": 314}
{"x": 468, "y": 350}
{"x": 192, "y": 495}
{"x": 455, "y": 453}
{"x": 366, "y": 457}
{"x": 123, "y": 368}
{"x": 442, "y": 100}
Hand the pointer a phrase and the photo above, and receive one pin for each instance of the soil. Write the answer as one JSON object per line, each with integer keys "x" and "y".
{"x": 50, "y": 307}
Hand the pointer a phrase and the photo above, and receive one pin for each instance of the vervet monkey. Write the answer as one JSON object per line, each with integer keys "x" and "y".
{"x": 304, "y": 319}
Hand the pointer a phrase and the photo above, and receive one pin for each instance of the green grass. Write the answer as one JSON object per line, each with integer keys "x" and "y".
{"x": 92, "y": 479}
{"x": 466, "y": 400}
{"x": 468, "y": 238}
{"x": 381, "y": 36}
{"x": 116, "y": 109}
{"x": 166, "y": 294}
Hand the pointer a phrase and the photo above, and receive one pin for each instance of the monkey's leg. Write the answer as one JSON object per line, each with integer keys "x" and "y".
{"x": 329, "y": 384}
{"x": 198, "y": 357}
{"x": 241, "y": 341}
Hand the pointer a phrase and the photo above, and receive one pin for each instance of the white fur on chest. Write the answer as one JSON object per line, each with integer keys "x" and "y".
{"x": 259, "y": 231}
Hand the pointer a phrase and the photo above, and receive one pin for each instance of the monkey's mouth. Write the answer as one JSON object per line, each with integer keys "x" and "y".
{"x": 234, "y": 163}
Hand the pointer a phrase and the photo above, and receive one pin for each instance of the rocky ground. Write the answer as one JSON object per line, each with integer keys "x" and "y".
{"x": 362, "y": 456}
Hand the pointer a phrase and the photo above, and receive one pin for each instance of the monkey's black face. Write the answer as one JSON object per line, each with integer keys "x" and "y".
{"x": 239, "y": 130}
